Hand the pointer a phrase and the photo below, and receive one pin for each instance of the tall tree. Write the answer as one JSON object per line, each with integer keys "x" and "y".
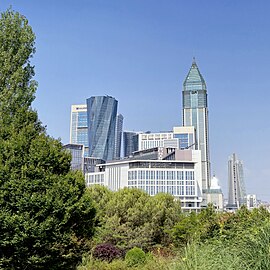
{"x": 45, "y": 214}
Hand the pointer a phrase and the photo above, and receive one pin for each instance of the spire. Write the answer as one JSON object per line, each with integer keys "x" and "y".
{"x": 194, "y": 77}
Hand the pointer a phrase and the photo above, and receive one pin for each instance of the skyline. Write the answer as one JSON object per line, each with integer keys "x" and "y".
{"x": 140, "y": 53}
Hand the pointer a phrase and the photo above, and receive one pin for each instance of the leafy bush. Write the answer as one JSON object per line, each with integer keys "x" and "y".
{"x": 135, "y": 257}
{"x": 107, "y": 252}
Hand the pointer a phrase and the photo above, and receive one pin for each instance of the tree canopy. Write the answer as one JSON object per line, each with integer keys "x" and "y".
{"x": 130, "y": 217}
{"x": 45, "y": 214}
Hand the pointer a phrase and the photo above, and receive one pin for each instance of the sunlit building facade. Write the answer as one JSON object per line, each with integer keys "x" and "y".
{"x": 167, "y": 170}
{"x": 195, "y": 113}
{"x": 237, "y": 191}
{"x": 78, "y": 126}
{"x": 179, "y": 138}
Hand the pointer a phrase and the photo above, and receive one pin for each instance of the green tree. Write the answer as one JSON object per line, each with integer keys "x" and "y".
{"x": 186, "y": 230}
{"x": 166, "y": 212}
{"x": 125, "y": 219}
{"x": 45, "y": 214}
{"x": 131, "y": 217}
{"x": 197, "y": 226}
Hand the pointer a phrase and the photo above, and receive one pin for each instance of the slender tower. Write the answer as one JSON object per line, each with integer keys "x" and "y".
{"x": 195, "y": 113}
{"x": 237, "y": 191}
{"x": 118, "y": 136}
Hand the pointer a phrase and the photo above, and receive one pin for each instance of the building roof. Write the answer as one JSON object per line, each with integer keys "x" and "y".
{"x": 194, "y": 77}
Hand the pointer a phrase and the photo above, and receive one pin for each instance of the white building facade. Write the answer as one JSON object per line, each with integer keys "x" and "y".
{"x": 179, "y": 138}
{"x": 177, "y": 173}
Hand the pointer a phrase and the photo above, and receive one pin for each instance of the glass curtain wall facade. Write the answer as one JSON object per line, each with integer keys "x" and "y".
{"x": 130, "y": 140}
{"x": 78, "y": 126}
{"x": 118, "y": 136}
{"x": 101, "y": 116}
{"x": 195, "y": 113}
{"x": 77, "y": 155}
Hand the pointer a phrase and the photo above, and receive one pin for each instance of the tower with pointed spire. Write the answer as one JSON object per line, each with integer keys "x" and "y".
{"x": 195, "y": 113}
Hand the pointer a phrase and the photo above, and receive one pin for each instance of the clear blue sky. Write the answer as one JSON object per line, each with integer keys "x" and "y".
{"x": 139, "y": 51}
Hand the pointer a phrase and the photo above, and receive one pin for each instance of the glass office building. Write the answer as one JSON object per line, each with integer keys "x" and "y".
{"x": 77, "y": 156}
{"x": 118, "y": 136}
{"x": 195, "y": 113}
{"x": 130, "y": 142}
{"x": 78, "y": 126}
{"x": 101, "y": 116}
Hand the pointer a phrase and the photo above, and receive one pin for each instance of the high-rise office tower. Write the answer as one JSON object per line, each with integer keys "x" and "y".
{"x": 195, "y": 113}
{"x": 130, "y": 142}
{"x": 237, "y": 192}
{"x": 77, "y": 156}
{"x": 78, "y": 126}
{"x": 118, "y": 136}
{"x": 101, "y": 116}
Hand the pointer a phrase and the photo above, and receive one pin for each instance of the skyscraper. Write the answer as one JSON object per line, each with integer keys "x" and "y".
{"x": 118, "y": 136}
{"x": 101, "y": 116}
{"x": 130, "y": 142}
{"x": 78, "y": 126}
{"x": 195, "y": 113}
{"x": 237, "y": 192}
{"x": 77, "y": 156}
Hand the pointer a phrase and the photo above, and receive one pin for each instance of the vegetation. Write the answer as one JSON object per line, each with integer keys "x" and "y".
{"x": 207, "y": 240}
{"x": 48, "y": 220}
{"x": 107, "y": 252}
{"x": 131, "y": 218}
{"x": 182, "y": 241}
{"x": 45, "y": 215}
{"x": 135, "y": 257}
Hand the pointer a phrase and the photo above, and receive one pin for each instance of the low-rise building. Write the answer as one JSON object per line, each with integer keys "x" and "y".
{"x": 168, "y": 170}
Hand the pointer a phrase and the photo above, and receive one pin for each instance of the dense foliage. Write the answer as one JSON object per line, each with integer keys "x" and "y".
{"x": 206, "y": 240}
{"x": 131, "y": 218}
{"x": 45, "y": 214}
{"x": 107, "y": 252}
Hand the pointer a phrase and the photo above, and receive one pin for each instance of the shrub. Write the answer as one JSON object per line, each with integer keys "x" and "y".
{"x": 107, "y": 252}
{"x": 135, "y": 257}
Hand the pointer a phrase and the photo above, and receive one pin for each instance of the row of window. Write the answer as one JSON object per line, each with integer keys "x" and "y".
{"x": 160, "y": 136}
{"x": 95, "y": 179}
{"x": 162, "y": 182}
{"x": 160, "y": 175}
{"x": 173, "y": 190}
